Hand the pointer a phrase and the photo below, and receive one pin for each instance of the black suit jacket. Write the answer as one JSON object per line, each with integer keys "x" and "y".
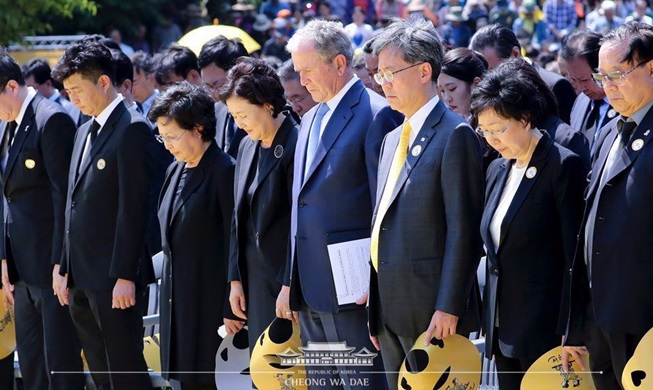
{"x": 562, "y": 89}
{"x": 107, "y": 206}
{"x": 195, "y": 236}
{"x": 34, "y": 183}
{"x": 622, "y": 264}
{"x": 569, "y": 137}
{"x": 270, "y": 206}
{"x": 528, "y": 273}
{"x": 429, "y": 245}
{"x": 224, "y": 119}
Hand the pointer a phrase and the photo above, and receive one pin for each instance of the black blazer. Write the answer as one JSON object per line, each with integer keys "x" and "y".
{"x": 622, "y": 261}
{"x": 429, "y": 245}
{"x": 527, "y": 275}
{"x": 568, "y": 137}
{"x": 107, "y": 207}
{"x": 562, "y": 89}
{"x": 35, "y": 183}
{"x": 195, "y": 238}
{"x": 224, "y": 118}
{"x": 270, "y": 207}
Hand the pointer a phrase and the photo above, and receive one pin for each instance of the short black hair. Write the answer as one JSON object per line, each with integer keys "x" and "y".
{"x": 37, "y": 68}
{"x": 124, "y": 67}
{"x": 495, "y": 36}
{"x": 222, "y": 52}
{"x": 464, "y": 64}
{"x": 9, "y": 69}
{"x": 515, "y": 90}
{"x": 368, "y": 47}
{"x": 142, "y": 62}
{"x": 582, "y": 44}
{"x": 177, "y": 59}
{"x": 640, "y": 41}
{"x": 254, "y": 81}
{"x": 189, "y": 106}
{"x": 88, "y": 58}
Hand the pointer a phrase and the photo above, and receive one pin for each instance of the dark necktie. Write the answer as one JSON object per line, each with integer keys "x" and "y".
{"x": 593, "y": 117}
{"x": 229, "y": 132}
{"x": 626, "y": 129}
{"x": 95, "y": 127}
{"x": 6, "y": 144}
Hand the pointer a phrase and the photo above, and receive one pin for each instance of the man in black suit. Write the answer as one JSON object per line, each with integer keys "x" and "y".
{"x": 107, "y": 211}
{"x": 216, "y": 58}
{"x": 612, "y": 275}
{"x": 497, "y": 43}
{"x": 591, "y": 111}
{"x": 37, "y": 140}
{"x": 425, "y": 244}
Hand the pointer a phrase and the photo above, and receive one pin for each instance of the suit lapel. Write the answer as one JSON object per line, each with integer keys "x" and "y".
{"x": 278, "y": 147}
{"x": 493, "y": 203}
{"x": 638, "y": 141}
{"x": 166, "y": 203}
{"x": 194, "y": 180}
{"x": 28, "y": 124}
{"x": 102, "y": 137}
{"x": 385, "y": 164}
{"x": 597, "y": 168}
{"x": 221, "y": 119}
{"x": 538, "y": 161}
{"x": 245, "y": 161}
{"x": 416, "y": 150}
{"x": 337, "y": 123}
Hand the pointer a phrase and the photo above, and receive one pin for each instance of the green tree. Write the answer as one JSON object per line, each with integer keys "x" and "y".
{"x": 25, "y": 17}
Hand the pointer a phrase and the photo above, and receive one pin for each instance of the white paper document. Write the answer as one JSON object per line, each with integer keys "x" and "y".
{"x": 350, "y": 265}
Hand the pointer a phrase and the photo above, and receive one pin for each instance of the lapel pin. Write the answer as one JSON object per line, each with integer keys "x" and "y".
{"x": 26, "y": 127}
{"x": 30, "y": 164}
{"x": 647, "y": 133}
{"x": 612, "y": 113}
{"x": 423, "y": 139}
{"x": 278, "y": 151}
{"x": 101, "y": 164}
{"x": 531, "y": 172}
{"x": 417, "y": 149}
{"x": 637, "y": 144}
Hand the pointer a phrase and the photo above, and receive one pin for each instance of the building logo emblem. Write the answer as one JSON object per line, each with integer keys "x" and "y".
{"x": 327, "y": 354}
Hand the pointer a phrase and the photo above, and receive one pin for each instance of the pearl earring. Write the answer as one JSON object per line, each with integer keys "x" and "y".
{"x": 271, "y": 111}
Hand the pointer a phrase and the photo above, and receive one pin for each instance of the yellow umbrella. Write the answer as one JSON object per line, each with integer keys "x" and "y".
{"x": 196, "y": 38}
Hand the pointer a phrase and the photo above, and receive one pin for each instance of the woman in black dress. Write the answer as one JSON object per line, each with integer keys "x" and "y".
{"x": 195, "y": 216}
{"x": 263, "y": 186}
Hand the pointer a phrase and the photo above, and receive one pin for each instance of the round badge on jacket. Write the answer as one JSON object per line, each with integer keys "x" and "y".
{"x": 30, "y": 164}
{"x": 101, "y": 164}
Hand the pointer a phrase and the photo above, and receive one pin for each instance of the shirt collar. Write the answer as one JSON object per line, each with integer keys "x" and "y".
{"x": 55, "y": 95}
{"x": 31, "y": 92}
{"x": 418, "y": 118}
{"x": 147, "y": 103}
{"x": 104, "y": 115}
{"x": 638, "y": 116}
{"x": 334, "y": 101}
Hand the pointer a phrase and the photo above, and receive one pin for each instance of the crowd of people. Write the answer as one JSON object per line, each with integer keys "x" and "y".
{"x": 440, "y": 156}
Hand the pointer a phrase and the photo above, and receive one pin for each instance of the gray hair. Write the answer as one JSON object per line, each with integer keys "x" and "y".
{"x": 287, "y": 72}
{"x": 328, "y": 38}
{"x": 417, "y": 41}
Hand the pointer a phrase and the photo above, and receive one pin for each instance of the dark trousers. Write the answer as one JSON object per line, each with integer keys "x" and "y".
{"x": 48, "y": 347}
{"x": 510, "y": 371}
{"x": 112, "y": 340}
{"x": 7, "y": 372}
{"x": 609, "y": 353}
{"x": 394, "y": 349}
{"x": 347, "y": 326}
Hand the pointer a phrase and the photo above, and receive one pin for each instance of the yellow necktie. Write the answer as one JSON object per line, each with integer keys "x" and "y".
{"x": 397, "y": 164}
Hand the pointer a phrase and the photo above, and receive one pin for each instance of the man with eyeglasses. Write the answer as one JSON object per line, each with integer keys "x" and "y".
{"x": 579, "y": 52}
{"x": 297, "y": 95}
{"x": 612, "y": 275}
{"x": 216, "y": 58}
{"x": 425, "y": 244}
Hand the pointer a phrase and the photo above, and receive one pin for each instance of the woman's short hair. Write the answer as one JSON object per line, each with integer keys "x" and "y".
{"x": 256, "y": 82}
{"x": 515, "y": 90}
{"x": 189, "y": 106}
{"x": 464, "y": 64}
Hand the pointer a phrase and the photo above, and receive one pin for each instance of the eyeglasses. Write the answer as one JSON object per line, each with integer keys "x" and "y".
{"x": 486, "y": 133}
{"x": 616, "y": 77}
{"x": 388, "y": 76}
{"x": 163, "y": 139}
{"x": 296, "y": 100}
